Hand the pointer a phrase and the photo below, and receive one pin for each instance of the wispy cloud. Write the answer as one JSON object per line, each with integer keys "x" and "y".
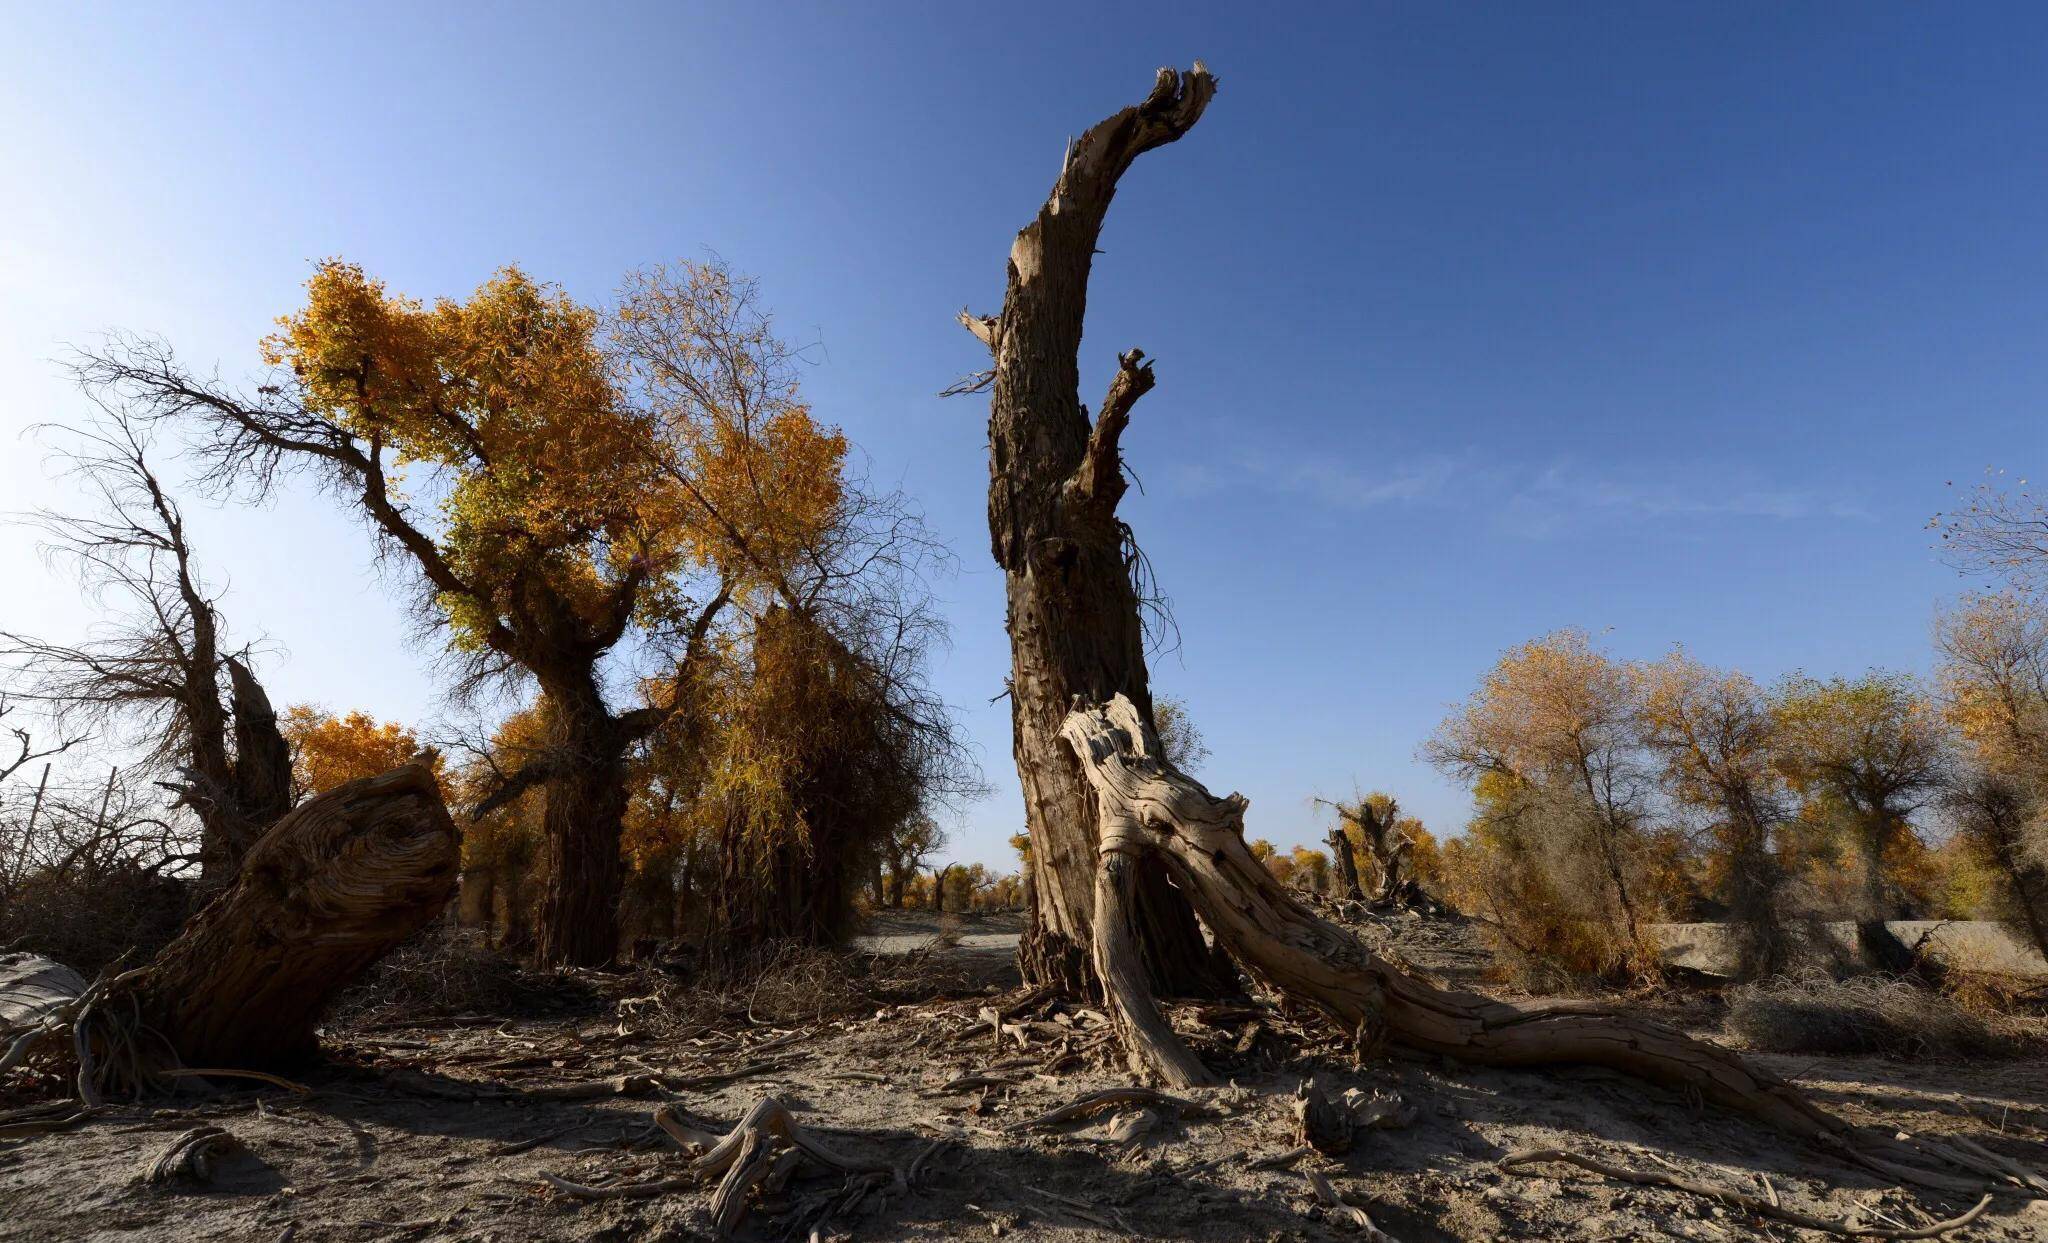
{"x": 1565, "y": 493}
{"x": 1534, "y": 501}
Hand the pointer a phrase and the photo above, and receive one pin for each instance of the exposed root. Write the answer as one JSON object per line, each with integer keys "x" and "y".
{"x": 1095, "y": 1102}
{"x": 1148, "y": 807}
{"x": 1761, "y": 1206}
{"x": 216, "y": 1072}
{"x": 760, "y": 1154}
{"x": 191, "y": 1157}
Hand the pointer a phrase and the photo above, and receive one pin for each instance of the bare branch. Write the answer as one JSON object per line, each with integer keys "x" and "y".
{"x": 1100, "y": 477}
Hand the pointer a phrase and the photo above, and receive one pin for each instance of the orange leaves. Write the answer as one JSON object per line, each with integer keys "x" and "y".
{"x": 1994, "y": 678}
{"x": 328, "y": 750}
{"x": 578, "y": 458}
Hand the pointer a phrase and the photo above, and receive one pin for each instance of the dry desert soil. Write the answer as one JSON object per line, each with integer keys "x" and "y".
{"x": 469, "y": 1126}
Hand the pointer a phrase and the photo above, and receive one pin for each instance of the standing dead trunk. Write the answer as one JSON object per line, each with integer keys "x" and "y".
{"x": 237, "y": 793}
{"x": 1118, "y": 870}
{"x": 1346, "y": 864}
{"x": 1054, "y": 482}
{"x": 330, "y": 889}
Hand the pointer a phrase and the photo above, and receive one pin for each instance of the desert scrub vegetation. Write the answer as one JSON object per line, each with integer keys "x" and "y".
{"x": 1814, "y": 1012}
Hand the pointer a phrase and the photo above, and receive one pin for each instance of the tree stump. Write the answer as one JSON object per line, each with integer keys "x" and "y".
{"x": 332, "y": 887}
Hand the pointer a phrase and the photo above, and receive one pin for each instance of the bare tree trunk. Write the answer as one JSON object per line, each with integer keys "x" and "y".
{"x": 1073, "y": 610}
{"x": 1346, "y": 864}
{"x": 236, "y": 797}
{"x": 330, "y": 889}
{"x": 263, "y": 759}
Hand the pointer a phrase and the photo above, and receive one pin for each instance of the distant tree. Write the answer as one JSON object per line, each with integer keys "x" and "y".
{"x": 159, "y": 673}
{"x": 1712, "y": 732}
{"x": 1994, "y": 692}
{"x": 913, "y": 840}
{"x": 1552, "y": 743}
{"x": 1311, "y": 869}
{"x": 1874, "y": 750}
{"x": 1179, "y": 737}
{"x": 328, "y": 750}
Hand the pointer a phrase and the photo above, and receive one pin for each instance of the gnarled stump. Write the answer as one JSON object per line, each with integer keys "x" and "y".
{"x": 339, "y": 881}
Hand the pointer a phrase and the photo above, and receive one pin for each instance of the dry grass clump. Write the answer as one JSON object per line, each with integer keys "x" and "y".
{"x": 447, "y": 971}
{"x": 788, "y": 983}
{"x": 1816, "y": 1013}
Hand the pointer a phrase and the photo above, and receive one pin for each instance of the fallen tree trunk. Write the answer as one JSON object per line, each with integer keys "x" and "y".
{"x": 332, "y": 887}
{"x": 1149, "y": 808}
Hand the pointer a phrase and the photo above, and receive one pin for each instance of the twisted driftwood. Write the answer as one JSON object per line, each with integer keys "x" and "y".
{"x": 1147, "y": 807}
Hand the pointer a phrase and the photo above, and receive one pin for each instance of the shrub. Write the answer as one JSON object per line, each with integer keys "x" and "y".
{"x": 87, "y": 923}
{"x": 1815, "y": 1013}
{"x": 446, "y": 971}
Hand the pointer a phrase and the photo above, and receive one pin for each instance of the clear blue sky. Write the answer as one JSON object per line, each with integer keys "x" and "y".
{"x": 1472, "y": 322}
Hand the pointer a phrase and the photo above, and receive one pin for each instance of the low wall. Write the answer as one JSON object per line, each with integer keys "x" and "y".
{"x": 1969, "y": 943}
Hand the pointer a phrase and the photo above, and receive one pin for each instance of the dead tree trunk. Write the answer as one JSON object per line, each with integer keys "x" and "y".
{"x": 1121, "y": 841}
{"x": 236, "y": 797}
{"x": 1346, "y": 864}
{"x": 326, "y": 892}
{"x": 1054, "y": 482}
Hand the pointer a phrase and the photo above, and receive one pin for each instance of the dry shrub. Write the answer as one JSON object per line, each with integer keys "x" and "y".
{"x": 787, "y": 982}
{"x": 1974, "y": 980}
{"x": 447, "y": 971}
{"x": 87, "y": 923}
{"x": 1813, "y": 1012}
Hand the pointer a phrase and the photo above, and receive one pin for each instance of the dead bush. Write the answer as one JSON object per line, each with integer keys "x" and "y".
{"x": 86, "y": 922}
{"x": 1816, "y": 1013}
{"x": 786, "y": 983}
{"x": 447, "y": 971}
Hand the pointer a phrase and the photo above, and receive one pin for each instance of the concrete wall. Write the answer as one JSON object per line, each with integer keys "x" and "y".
{"x": 1972, "y": 944}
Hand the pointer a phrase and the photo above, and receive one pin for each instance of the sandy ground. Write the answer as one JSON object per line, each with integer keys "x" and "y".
{"x": 445, "y": 1130}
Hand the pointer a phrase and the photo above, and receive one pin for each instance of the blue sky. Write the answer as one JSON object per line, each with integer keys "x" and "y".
{"x": 1472, "y": 321}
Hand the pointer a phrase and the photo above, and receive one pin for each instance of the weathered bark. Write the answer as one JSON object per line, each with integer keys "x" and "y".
{"x": 582, "y": 822}
{"x": 1054, "y": 481}
{"x": 1346, "y": 864}
{"x": 326, "y": 892}
{"x": 1149, "y": 808}
{"x": 238, "y": 792}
